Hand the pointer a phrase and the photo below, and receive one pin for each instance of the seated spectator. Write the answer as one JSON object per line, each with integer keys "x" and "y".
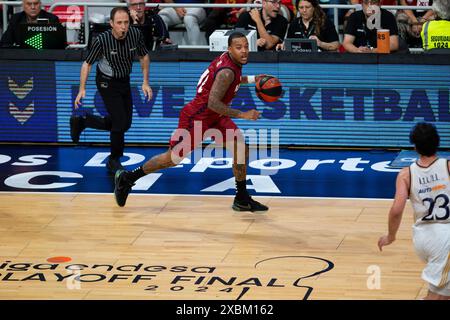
{"x": 268, "y": 22}
{"x": 191, "y": 17}
{"x": 358, "y": 4}
{"x": 219, "y": 16}
{"x": 359, "y": 38}
{"x": 286, "y": 8}
{"x": 31, "y": 13}
{"x": 409, "y": 32}
{"x": 436, "y": 34}
{"x": 418, "y": 15}
{"x": 313, "y": 24}
{"x": 155, "y": 31}
{"x": 410, "y": 21}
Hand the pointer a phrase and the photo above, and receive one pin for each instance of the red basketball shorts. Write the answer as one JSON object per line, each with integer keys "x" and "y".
{"x": 193, "y": 129}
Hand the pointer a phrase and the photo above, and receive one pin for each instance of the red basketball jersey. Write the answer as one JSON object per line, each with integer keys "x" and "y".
{"x": 198, "y": 105}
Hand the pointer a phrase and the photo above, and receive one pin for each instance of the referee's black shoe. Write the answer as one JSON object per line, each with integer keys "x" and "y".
{"x": 248, "y": 204}
{"x": 122, "y": 187}
{"x": 76, "y": 127}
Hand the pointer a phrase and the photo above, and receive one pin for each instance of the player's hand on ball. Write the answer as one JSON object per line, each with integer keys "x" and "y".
{"x": 268, "y": 88}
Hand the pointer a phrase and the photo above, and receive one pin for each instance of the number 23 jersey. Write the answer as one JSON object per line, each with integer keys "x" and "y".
{"x": 430, "y": 192}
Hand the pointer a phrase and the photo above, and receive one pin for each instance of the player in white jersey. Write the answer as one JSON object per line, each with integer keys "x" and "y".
{"x": 427, "y": 184}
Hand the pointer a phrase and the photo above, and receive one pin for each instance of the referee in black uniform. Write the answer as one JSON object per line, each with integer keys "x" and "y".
{"x": 116, "y": 49}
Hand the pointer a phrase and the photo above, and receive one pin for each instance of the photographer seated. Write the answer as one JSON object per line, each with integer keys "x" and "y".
{"x": 31, "y": 13}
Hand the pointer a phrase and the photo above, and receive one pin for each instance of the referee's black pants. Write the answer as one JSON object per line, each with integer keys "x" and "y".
{"x": 116, "y": 95}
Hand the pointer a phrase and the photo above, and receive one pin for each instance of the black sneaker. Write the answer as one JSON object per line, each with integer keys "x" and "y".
{"x": 113, "y": 165}
{"x": 76, "y": 127}
{"x": 122, "y": 187}
{"x": 248, "y": 205}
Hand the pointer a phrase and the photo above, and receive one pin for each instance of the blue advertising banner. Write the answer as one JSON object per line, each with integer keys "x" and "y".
{"x": 373, "y": 105}
{"x": 28, "y": 101}
{"x": 323, "y": 104}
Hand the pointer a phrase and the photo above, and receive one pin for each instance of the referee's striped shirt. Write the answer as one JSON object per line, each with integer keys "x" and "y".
{"x": 116, "y": 56}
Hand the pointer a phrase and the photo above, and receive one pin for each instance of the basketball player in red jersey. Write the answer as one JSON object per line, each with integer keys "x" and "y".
{"x": 208, "y": 110}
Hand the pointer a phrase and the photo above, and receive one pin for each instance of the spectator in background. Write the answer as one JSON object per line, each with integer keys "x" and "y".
{"x": 219, "y": 16}
{"x": 382, "y": 3}
{"x": 410, "y": 21}
{"x": 416, "y": 16}
{"x": 359, "y": 38}
{"x": 154, "y": 31}
{"x": 436, "y": 34}
{"x": 287, "y": 9}
{"x": 268, "y": 22}
{"x": 313, "y": 24}
{"x": 191, "y": 17}
{"x": 31, "y": 13}
{"x": 358, "y": 4}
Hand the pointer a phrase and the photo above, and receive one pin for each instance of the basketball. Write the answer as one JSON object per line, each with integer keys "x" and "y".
{"x": 268, "y": 88}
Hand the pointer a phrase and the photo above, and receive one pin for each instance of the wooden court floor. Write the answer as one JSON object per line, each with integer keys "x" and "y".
{"x": 196, "y": 247}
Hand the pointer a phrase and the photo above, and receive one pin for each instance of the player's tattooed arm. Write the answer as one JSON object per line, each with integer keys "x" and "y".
{"x": 224, "y": 79}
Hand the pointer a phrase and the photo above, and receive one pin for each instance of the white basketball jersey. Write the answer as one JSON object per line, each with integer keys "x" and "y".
{"x": 430, "y": 192}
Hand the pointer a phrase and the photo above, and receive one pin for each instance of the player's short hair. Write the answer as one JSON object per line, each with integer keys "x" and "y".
{"x": 118, "y": 9}
{"x": 425, "y": 138}
{"x": 235, "y": 35}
